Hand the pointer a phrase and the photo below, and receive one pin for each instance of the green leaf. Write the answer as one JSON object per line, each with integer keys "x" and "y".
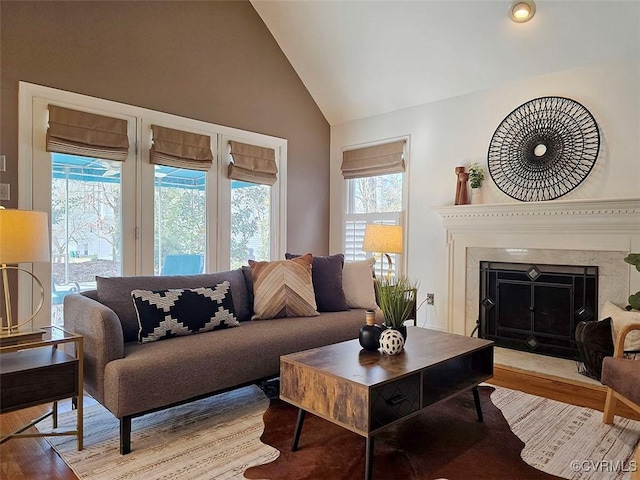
{"x": 634, "y": 301}
{"x": 633, "y": 259}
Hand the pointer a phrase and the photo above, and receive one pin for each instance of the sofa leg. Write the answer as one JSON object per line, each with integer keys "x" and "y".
{"x": 125, "y": 435}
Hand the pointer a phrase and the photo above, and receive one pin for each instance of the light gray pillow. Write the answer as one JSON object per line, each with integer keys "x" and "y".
{"x": 357, "y": 283}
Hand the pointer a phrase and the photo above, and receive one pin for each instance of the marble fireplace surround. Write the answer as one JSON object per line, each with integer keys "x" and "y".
{"x": 563, "y": 232}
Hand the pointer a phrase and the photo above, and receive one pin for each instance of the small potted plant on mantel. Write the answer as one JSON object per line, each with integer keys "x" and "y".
{"x": 476, "y": 179}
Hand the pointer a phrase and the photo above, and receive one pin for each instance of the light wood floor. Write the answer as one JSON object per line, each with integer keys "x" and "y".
{"x": 33, "y": 458}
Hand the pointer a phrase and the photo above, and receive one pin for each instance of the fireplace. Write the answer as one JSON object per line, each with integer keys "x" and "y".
{"x": 536, "y": 307}
{"x": 561, "y": 232}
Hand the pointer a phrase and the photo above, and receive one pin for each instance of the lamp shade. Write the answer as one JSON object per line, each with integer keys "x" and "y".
{"x": 24, "y": 236}
{"x": 383, "y": 238}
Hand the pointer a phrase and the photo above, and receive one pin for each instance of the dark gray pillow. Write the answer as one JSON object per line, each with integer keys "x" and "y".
{"x": 326, "y": 274}
{"x": 115, "y": 293}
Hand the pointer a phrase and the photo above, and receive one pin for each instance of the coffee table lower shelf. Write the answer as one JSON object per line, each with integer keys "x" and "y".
{"x": 369, "y": 439}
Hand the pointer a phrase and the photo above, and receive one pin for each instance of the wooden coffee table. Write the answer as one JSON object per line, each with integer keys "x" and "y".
{"x": 366, "y": 392}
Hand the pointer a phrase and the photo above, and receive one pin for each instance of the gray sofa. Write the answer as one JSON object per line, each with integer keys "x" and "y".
{"x": 131, "y": 379}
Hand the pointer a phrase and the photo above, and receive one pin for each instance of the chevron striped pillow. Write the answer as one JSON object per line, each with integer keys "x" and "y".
{"x": 283, "y": 288}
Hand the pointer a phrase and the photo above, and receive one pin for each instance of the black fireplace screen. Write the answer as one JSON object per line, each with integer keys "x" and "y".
{"x": 536, "y": 308}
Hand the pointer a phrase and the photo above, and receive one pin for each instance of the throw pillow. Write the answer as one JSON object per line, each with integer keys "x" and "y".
{"x": 115, "y": 293}
{"x": 283, "y": 288}
{"x": 594, "y": 342}
{"x": 170, "y": 313}
{"x": 357, "y": 282}
{"x": 620, "y": 318}
{"x": 326, "y": 273}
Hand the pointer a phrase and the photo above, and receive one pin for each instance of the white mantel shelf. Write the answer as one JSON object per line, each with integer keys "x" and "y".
{"x": 623, "y": 214}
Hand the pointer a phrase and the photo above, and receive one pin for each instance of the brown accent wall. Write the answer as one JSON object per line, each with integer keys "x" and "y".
{"x": 209, "y": 60}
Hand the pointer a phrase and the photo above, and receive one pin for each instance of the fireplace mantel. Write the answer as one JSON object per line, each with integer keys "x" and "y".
{"x": 621, "y": 214}
{"x": 600, "y": 225}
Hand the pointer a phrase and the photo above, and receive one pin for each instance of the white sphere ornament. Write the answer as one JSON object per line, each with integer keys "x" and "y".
{"x": 391, "y": 342}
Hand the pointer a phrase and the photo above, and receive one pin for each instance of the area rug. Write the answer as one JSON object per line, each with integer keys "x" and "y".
{"x": 219, "y": 438}
{"x": 212, "y": 438}
{"x": 446, "y": 441}
{"x": 569, "y": 441}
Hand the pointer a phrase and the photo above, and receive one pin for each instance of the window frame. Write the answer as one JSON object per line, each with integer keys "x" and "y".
{"x": 399, "y": 217}
{"x": 34, "y": 191}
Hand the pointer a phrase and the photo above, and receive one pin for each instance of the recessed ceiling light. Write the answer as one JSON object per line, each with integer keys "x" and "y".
{"x": 522, "y": 11}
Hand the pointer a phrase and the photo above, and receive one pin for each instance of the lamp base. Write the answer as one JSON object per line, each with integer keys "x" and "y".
{"x": 18, "y": 338}
{"x": 11, "y": 327}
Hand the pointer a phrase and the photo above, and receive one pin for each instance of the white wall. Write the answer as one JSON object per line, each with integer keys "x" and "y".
{"x": 457, "y": 131}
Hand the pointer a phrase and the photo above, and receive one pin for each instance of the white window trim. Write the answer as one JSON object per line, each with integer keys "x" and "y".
{"x": 139, "y": 256}
{"x": 402, "y": 216}
{"x": 278, "y": 197}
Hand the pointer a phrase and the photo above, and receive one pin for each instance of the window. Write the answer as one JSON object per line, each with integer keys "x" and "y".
{"x": 374, "y": 185}
{"x": 179, "y": 220}
{"x": 254, "y": 173}
{"x": 250, "y": 222}
{"x": 86, "y": 224}
{"x": 139, "y": 206}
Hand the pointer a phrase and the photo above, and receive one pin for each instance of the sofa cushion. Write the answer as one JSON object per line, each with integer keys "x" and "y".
{"x": 175, "y": 312}
{"x": 357, "y": 282}
{"x": 132, "y": 384}
{"x": 621, "y": 374}
{"x": 115, "y": 293}
{"x": 620, "y": 318}
{"x": 246, "y": 271}
{"x": 327, "y": 282}
{"x": 283, "y": 288}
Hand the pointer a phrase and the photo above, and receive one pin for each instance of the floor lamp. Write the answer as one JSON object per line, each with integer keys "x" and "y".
{"x": 24, "y": 238}
{"x": 384, "y": 239}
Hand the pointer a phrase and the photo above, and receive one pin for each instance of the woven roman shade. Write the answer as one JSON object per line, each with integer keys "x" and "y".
{"x": 371, "y": 161}
{"x": 87, "y": 134}
{"x": 253, "y": 164}
{"x": 179, "y": 149}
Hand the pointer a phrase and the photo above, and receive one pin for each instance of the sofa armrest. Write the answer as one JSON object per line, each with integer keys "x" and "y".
{"x": 103, "y": 338}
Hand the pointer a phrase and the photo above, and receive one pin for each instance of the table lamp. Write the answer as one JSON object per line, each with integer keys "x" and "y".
{"x": 384, "y": 239}
{"x": 24, "y": 238}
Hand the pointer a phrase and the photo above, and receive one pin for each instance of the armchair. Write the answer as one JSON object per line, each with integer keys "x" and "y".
{"x": 622, "y": 378}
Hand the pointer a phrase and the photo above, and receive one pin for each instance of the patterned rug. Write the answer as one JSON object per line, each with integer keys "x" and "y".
{"x": 219, "y": 438}
{"x": 569, "y": 441}
{"x": 213, "y": 438}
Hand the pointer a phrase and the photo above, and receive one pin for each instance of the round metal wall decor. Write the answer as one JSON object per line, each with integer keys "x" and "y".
{"x": 543, "y": 149}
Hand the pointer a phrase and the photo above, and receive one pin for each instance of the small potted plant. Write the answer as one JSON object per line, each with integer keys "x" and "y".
{"x": 476, "y": 179}
{"x": 397, "y": 299}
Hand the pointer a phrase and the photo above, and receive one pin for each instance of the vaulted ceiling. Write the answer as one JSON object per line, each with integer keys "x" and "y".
{"x": 363, "y": 58}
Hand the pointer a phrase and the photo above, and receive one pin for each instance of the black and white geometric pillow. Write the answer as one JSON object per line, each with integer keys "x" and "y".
{"x": 171, "y": 313}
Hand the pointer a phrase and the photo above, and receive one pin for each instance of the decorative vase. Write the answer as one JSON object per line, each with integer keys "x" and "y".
{"x": 476, "y": 196}
{"x": 391, "y": 341}
{"x": 369, "y": 336}
{"x": 462, "y": 196}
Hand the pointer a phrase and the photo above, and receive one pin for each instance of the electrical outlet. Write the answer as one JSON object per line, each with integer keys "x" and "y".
{"x": 3, "y": 163}
{"x": 4, "y": 191}
{"x": 430, "y": 298}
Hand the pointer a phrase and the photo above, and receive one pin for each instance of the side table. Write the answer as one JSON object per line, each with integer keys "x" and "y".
{"x": 40, "y": 372}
